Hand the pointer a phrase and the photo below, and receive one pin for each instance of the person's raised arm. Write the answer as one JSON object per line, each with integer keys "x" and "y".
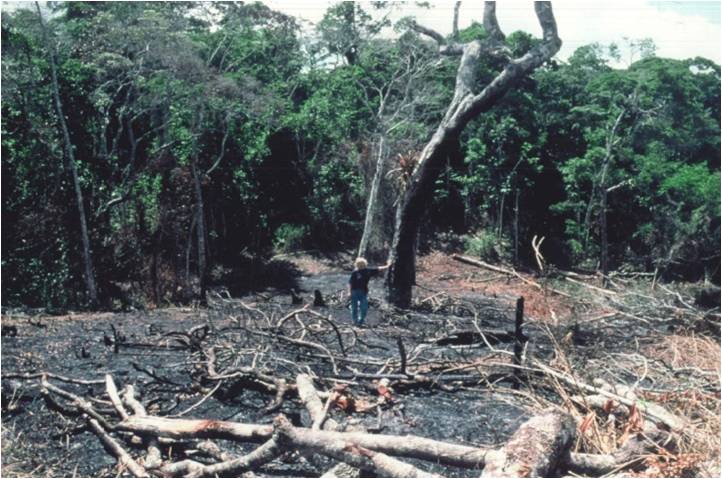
{"x": 386, "y": 266}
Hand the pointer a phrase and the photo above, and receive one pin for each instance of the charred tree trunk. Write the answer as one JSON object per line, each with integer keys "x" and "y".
{"x": 89, "y": 273}
{"x": 465, "y": 106}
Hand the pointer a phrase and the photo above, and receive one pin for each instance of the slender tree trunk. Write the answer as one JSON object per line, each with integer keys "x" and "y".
{"x": 154, "y": 268}
{"x": 500, "y": 218}
{"x": 464, "y": 107}
{"x": 200, "y": 230}
{"x": 189, "y": 247}
{"x": 601, "y": 184}
{"x": 605, "y": 244}
{"x": 516, "y": 227}
{"x": 89, "y": 273}
{"x": 372, "y": 240}
{"x": 455, "y": 26}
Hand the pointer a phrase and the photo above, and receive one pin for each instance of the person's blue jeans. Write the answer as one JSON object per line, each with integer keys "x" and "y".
{"x": 359, "y": 306}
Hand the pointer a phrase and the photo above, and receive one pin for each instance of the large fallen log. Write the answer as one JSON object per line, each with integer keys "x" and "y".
{"x": 404, "y": 446}
{"x": 540, "y": 447}
{"x": 535, "y": 449}
{"x": 349, "y": 453}
{"x": 309, "y": 397}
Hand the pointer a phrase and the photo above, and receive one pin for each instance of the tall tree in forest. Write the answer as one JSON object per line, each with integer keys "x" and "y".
{"x": 89, "y": 272}
{"x": 464, "y": 107}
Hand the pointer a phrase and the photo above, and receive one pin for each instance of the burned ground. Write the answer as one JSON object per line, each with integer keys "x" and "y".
{"x": 444, "y": 369}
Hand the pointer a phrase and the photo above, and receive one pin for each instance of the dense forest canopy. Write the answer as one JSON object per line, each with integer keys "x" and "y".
{"x": 193, "y": 139}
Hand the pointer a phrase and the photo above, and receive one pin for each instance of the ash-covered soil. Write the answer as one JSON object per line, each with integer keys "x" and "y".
{"x": 460, "y": 340}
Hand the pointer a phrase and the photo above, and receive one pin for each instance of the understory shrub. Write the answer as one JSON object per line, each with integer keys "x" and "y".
{"x": 290, "y": 237}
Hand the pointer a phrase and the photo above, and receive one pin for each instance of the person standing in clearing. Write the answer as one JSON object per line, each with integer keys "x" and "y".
{"x": 358, "y": 289}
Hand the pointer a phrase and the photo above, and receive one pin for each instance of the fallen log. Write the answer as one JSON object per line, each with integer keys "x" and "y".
{"x": 535, "y": 449}
{"x": 263, "y": 454}
{"x": 405, "y": 446}
{"x": 349, "y": 453}
{"x": 196, "y": 428}
{"x": 153, "y": 457}
{"x": 115, "y": 397}
{"x": 309, "y": 396}
{"x": 481, "y": 264}
{"x": 82, "y": 404}
{"x": 124, "y": 459}
{"x": 654, "y": 411}
{"x": 634, "y": 450}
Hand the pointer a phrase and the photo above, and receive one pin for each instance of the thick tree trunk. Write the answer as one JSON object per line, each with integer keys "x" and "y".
{"x": 464, "y": 107}
{"x": 89, "y": 273}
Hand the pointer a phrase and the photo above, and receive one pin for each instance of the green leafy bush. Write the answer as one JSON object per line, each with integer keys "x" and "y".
{"x": 290, "y": 237}
{"x": 486, "y": 246}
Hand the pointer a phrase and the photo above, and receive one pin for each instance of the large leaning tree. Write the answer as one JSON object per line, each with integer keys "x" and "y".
{"x": 466, "y": 105}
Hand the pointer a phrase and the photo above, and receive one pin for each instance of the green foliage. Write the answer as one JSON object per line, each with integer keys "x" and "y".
{"x": 282, "y": 128}
{"x": 487, "y": 246}
{"x": 475, "y": 31}
{"x": 290, "y": 237}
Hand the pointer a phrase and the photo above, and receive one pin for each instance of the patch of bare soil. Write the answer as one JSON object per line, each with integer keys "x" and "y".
{"x": 635, "y": 369}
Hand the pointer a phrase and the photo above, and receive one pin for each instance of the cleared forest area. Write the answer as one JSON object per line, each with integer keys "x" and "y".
{"x": 628, "y": 374}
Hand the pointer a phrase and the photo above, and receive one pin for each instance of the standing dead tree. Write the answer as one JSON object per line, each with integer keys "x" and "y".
{"x": 464, "y": 107}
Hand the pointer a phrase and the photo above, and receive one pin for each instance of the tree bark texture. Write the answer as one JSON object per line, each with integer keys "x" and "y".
{"x": 535, "y": 449}
{"x": 465, "y": 106}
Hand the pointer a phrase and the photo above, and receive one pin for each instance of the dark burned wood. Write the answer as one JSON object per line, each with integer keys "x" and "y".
{"x": 535, "y": 449}
{"x": 318, "y": 299}
{"x": 402, "y": 353}
{"x": 10, "y": 331}
{"x": 486, "y": 336}
{"x": 520, "y": 338}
